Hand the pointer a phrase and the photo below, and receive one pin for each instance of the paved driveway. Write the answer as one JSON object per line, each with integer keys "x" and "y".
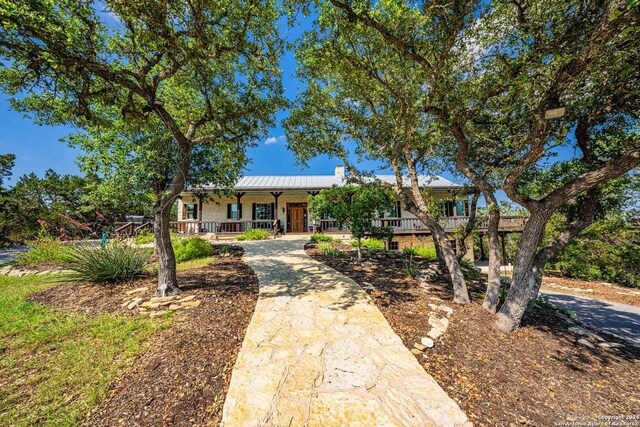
{"x": 318, "y": 352}
{"x": 10, "y": 254}
{"x": 619, "y": 319}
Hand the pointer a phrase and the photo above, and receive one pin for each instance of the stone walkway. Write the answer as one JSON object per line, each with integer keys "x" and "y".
{"x": 319, "y": 353}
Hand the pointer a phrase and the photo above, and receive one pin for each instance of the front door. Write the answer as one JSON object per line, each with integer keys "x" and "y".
{"x": 297, "y": 219}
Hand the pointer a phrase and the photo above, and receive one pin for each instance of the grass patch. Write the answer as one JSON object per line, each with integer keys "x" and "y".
{"x": 323, "y": 238}
{"x": 195, "y": 263}
{"x": 55, "y": 367}
{"x": 369, "y": 243}
{"x": 428, "y": 253}
{"x": 45, "y": 250}
{"x": 254, "y": 234}
{"x": 328, "y": 249}
{"x": 7, "y": 264}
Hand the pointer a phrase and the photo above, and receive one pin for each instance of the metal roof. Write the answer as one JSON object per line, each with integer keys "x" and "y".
{"x": 318, "y": 182}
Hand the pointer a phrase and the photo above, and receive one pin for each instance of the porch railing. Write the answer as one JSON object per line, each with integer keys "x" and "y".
{"x": 219, "y": 227}
{"x": 507, "y": 223}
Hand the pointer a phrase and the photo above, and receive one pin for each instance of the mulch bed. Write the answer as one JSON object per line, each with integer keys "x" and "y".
{"x": 535, "y": 376}
{"x": 183, "y": 377}
{"x": 598, "y": 290}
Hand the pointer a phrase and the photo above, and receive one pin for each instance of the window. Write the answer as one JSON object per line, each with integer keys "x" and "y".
{"x": 393, "y": 246}
{"x": 190, "y": 211}
{"x": 264, "y": 211}
{"x": 449, "y": 208}
{"x": 455, "y": 208}
{"x": 396, "y": 212}
{"x": 233, "y": 212}
{"x": 454, "y": 246}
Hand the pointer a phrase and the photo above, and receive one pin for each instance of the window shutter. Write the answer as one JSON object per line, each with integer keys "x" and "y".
{"x": 398, "y": 210}
{"x": 273, "y": 211}
{"x": 239, "y": 210}
{"x": 228, "y": 210}
{"x": 184, "y": 211}
{"x": 195, "y": 211}
{"x": 253, "y": 211}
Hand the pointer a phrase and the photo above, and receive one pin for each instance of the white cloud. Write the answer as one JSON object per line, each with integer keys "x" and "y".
{"x": 275, "y": 139}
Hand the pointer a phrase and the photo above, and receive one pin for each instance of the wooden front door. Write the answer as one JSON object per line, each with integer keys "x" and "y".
{"x": 297, "y": 219}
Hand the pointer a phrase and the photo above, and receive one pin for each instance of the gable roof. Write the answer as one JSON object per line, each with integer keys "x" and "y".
{"x": 319, "y": 182}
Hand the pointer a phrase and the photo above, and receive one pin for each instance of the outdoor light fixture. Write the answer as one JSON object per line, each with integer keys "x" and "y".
{"x": 553, "y": 109}
{"x": 283, "y": 209}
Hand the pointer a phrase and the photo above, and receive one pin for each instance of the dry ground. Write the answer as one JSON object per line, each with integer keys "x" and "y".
{"x": 183, "y": 378}
{"x": 536, "y": 376}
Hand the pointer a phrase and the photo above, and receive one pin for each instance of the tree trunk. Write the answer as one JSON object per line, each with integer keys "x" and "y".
{"x": 167, "y": 258}
{"x": 492, "y": 295}
{"x": 460, "y": 292}
{"x": 359, "y": 239}
{"x": 524, "y": 270}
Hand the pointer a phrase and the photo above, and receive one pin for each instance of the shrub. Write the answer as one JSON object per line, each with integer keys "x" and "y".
{"x": 369, "y": 243}
{"x": 469, "y": 270}
{"x": 254, "y": 234}
{"x": 322, "y": 238}
{"x": 409, "y": 267}
{"x": 45, "y": 250}
{"x": 115, "y": 262}
{"x": 429, "y": 253}
{"x": 328, "y": 249}
{"x": 224, "y": 249}
{"x": 144, "y": 237}
{"x": 191, "y": 248}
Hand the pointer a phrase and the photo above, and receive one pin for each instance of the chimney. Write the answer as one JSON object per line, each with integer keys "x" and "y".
{"x": 339, "y": 172}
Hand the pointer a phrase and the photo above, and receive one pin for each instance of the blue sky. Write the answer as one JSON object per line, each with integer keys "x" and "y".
{"x": 38, "y": 148}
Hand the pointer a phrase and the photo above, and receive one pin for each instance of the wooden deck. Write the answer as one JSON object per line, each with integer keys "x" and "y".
{"x": 401, "y": 226}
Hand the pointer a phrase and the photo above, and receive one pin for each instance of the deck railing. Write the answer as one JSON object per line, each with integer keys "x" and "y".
{"x": 507, "y": 223}
{"x": 219, "y": 227}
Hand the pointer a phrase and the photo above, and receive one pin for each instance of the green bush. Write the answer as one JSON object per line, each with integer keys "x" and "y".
{"x": 328, "y": 249}
{"x": 192, "y": 248}
{"x": 45, "y": 250}
{"x": 369, "y": 243}
{"x": 322, "y": 238}
{"x": 254, "y": 234}
{"x": 116, "y": 262}
{"x": 143, "y": 237}
{"x": 469, "y": 270}
{"x": 429, "y": 253}
{"x": 146, "y": 236}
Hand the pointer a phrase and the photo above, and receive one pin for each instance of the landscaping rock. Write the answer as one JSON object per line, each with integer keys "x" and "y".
{"x": 135, "y": 291}
{"x": 416, "y": 351}
{"x": 427, "y": 342}
{"x": 185, "y": 299}
{"x": 191, "y": 304}
{"x": 586, "y": 343}
{"x": 134, "y": 303}
{"x": 5, "y": 270}
{"x": 159, "y": 313}
{"x": 174, "y": 307}
{"x": 439, "y": 326}
{"x": 582, "y": 331}
{"x": 150, "y": 304}
{"x": 419, "y": 346}
{"x": 447, "y": 310}
{"x": 162, "y": 299}
{"x": 610, "y": 345}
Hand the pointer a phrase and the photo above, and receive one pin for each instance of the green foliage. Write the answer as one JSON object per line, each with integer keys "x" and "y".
{"x": 144, "y": 237}
{"x": 116, "y": 262}
{"x": 254, "y": 234}
{"x": 608, "y": 250}
{"x": 469, "y": 269}
{"x": 369, "y": 243}
{"x": 45, "y": 250}
{"x": 354, "y": 207}
{"x": 409, "y": 266}
{"x": 224, "y": 249}
{"x": 49, "y": 353}
{"x": 424, "y": 252}
{"x": 328, "y": 249}
{"x": 319, "y": 237}
{"x": 191, "y": 248}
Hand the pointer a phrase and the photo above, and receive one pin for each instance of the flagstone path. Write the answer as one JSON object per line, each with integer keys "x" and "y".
{"x": 319, "y": 353}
